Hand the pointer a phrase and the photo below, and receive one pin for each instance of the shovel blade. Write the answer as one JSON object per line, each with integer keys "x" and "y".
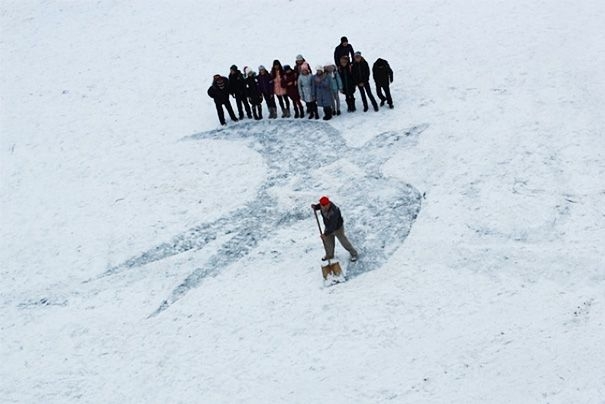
{"x": 331, "y": 269}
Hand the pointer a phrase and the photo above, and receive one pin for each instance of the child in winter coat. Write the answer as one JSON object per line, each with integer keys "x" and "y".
{"x": 253, "y": 93}
{"x": 289, "y": 83}
{"x": 277, "y": 73}
{"x": 300, "y": 63}
{"x": 265, "y": 85}
{"x": 335, "y": 86}
{"x": 348, "y": 84}
{"x": 323, "y": 92}
{"x": 383, "y": 76}
{"x": 306, "y": 88}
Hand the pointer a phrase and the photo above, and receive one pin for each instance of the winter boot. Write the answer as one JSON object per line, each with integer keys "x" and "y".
{"x": 287, "y": 113}
{"x": 295, "y": 112}
{"x": 327, "y": 113}
{"x": 272, "y": 113}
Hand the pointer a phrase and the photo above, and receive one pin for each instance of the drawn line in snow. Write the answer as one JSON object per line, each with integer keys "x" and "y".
{"x": 379, "y": 210}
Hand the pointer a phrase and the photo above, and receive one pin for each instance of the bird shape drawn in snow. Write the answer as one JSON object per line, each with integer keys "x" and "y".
{"x": 379, "y": 211}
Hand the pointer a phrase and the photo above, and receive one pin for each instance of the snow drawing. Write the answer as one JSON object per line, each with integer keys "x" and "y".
{"x": 305, "y": 160}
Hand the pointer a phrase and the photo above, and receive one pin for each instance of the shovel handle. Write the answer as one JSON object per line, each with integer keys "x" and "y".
{"x": 317, "y": 220}
{"x": 321, "y": 233}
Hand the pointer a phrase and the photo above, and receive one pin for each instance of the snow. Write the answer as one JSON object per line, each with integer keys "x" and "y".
{"x": 148, "y": 256}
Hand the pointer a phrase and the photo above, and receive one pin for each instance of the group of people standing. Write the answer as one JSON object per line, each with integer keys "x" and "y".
{"x": 294, "y": 84}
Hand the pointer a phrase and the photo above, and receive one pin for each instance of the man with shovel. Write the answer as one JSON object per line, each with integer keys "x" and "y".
{"x": 333, "y": 228}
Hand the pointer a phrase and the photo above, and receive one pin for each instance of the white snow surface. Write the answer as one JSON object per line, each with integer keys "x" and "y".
{"x": 148, "y": 257}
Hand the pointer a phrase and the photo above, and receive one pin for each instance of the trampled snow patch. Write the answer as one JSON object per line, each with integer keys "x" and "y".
{"x": 305, "y": 160}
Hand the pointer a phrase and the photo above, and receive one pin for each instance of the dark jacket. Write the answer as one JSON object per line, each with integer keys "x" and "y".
{"x": 252, "y": 91}
{"x": 288, "y": 82}
{"x": 343, "y": 51}
{"x": 265, "y": 84}
{"x": 383, "y": 75}
{"x": 332, "y": 218}
{"x": 219, "y": 90}
{"x": 237, "y": 84}
{"x": 346, "y": 76}
{"x": 361, "y": 71}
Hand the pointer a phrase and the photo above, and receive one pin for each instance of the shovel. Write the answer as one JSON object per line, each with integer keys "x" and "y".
{"x": 331, "y": 268}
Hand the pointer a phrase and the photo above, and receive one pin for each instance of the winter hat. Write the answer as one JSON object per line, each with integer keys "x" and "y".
{"x": 248, "y": 71}
{"x": 233, "y": 67}
{"x": 319, "y": 69}
{"x": 287, "y": 67}
{"x": 343, "y": 39}
{"x": 324, "y": 200}
{"x": 357, "y": 53}
{"x": 299, "y": 57}
{"x": 261, "y": 67}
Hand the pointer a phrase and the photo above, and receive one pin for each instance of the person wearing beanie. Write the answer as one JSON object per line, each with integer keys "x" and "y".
{"x": 237, "y": 91}
{"x": 306, "y": 89}
{"x": 333, "y": 228}
{"x": 323, "y": 92}
{"x": 289, "y": 82}
{"x": 361, "y": 75}
{"x": 253, "y": 93}
{"x": 277, "y": 73}
{"x": 300, "y": 63}
{"x": 343, "y": 49}
{"x": 383, "y": 77}
{"x": 219, "y": 92}
{"x": 265, "y": 85}
{"x": 336, "y": 87}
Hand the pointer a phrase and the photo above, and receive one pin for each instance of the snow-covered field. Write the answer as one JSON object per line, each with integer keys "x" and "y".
{"x": 148, "y": 257}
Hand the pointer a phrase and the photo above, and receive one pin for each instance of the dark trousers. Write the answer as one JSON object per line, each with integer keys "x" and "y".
{"x": 283, "y": 101}
{"x": 270, "y": 100}
{"x": 365, "y": 88}
{"x": 387, "y": 93}
{"x": 257, "y": 111}
{"x": 241, "y": 100}
{"x": 312, "y": 109}
{"x": 221, "y": 113}
{"x": 299, "y": 111}
{"x": 350, "y": 99}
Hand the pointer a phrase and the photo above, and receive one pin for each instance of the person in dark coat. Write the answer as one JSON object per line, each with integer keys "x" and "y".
{"x": 277, "y": 72}
{"x": 348, "y": 84}
{"x": 383, "y": 76}
{"x": 267, "y": 89}
{"x": 237, "y": 90}
{"x": 253, "y": 93}
{"x": 289, "y": 82}
{"x": 344, "y": 49}
{"x": 219, "y": 92}
{"x": 361, "y": 75}
{"x": 333, "y": 228}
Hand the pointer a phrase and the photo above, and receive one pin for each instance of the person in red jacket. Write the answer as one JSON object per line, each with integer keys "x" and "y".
{"x": 361, "y": 75}
{"x": 333, "y": 228}
{"x": 289, "y": 82}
